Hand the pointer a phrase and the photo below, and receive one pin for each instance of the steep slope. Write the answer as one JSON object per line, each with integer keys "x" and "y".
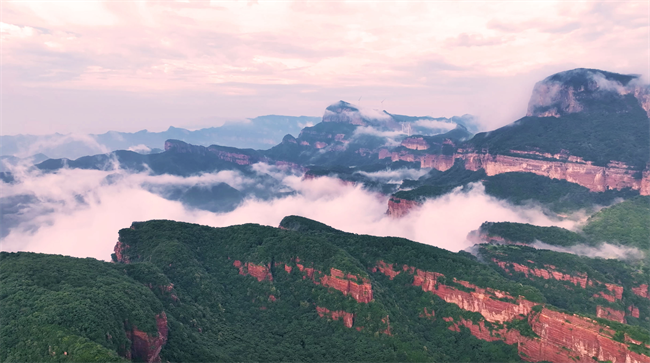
{"x": 303, "y": 291}
{"x": 624, "y": 224}
{"x": 584, "y": 126}
{"x": 56, "y": 308}
{"x": 627, "y": 223}
{"x": 602, "y": 288}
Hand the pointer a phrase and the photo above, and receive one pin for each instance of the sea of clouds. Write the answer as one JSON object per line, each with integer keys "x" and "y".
{"x": 79, "y": 212}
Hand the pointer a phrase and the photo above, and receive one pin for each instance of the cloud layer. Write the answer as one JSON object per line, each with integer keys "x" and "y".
{"x": 151, "y": 64}
{"x": 80, "y": 211}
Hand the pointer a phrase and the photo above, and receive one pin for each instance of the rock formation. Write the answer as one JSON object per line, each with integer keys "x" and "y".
{"x": 145, "y": 347}
{"x": 558, "y": 337}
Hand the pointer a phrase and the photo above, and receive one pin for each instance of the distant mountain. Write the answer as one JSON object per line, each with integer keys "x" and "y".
{"x": 585, "y": 126}
{"x": 308, "y": 292}
{"x": 625, "y": 224}
{"x": 261, "y": 133}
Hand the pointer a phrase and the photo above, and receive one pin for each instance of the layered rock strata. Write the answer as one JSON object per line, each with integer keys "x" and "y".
{"x": 558, "y": 337}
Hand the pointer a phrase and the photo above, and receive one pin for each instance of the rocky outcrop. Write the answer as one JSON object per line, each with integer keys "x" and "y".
{"x": 610, "y": 314}
{"x": 348, "y": 318}
{"x": 398, "y": 207}
{"x": 145, "y": 347}
{"x": 547, "y": 273}
{"x": 567, "y": 92}
{"x": 229, "y": 154}
{"x": 343, "y": 112}
{"x": 489, "y": 302}
{"x": 119, "y": 250}
{"x": 596, "y": 178}
{"x": 633, "y": 311}
{"x": 641, "y": 290}
{"x": 558, "y": 337}
{"x": 260, "y": 272}
{"x": 357, "y": 287}
{"x": 415, "y": 143}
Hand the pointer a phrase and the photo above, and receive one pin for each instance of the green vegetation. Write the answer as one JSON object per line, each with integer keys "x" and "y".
{"x": 599, "y": 136}
{"x": 559, "y": 196}
{"x": 568, "y": 295}
{"x": 60, "y": 308}
{"x": 53, "y": 305}
{"x": 626, "y": 223}
{"x": 528, "y": 233}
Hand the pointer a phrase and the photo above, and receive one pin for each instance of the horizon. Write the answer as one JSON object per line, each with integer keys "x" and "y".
{"x": 100, "y": 66}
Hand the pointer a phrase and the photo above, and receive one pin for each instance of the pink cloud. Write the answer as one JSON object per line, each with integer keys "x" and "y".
{"x": 253, "y": 58}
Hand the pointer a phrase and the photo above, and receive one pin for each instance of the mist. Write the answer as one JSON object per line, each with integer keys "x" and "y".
{"x": 604, "y": 250}
{"x": 80, "y": 212}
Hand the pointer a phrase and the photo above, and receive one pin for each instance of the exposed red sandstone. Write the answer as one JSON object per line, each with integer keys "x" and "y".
{"x": 261, "y": 273}
{"x": 145, "y": 347}
{"x": 358, "y": 288}
{"x": 427, "y": 314}
{"x": 386, "y": 269}
{"x": 633, "y": 311}
{"x": 348, "y": 318}
{"x": 610, "y": 314}
{"x": 398, "y": 207}
{"x": 562, "y": 337}
{"x": 361, "y": 292}
{"x": 415, "y": 143}
{"x": 119, "y": 250}
{"x": 616, "y": 175}
{"x": 641, "y": 290}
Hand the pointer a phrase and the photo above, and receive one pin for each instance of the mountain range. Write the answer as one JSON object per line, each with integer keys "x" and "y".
{"x": 307, "y": 291}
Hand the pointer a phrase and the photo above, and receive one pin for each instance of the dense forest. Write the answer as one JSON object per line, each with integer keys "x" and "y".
{"x": 57, "y": 308}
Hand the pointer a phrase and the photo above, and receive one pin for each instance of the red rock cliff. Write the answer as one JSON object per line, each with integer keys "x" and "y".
{"x": 348, "y": 318}
{"x": 398, "y": 207}
{"x": 145, "y": 347}
{"x": 561, "y": 337}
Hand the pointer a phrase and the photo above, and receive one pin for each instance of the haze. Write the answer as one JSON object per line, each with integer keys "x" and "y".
{"x": 91, "y": 67}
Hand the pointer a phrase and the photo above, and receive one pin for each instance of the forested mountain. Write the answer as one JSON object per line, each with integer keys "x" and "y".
{"x": 305, "y": 291}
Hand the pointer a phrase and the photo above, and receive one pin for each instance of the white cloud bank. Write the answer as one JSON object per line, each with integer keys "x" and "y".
{"x": 86, "y": 211}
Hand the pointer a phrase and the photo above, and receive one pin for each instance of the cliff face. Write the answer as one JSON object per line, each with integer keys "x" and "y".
{"x": 348, "y": 318}
{"x": 357, "y": 287}
{"x": 145, "y": 347}
{"x": 260, "y": 272}
{"x": 610, "y": 292}
{"x": 641, "y": 290}
{"x": 616, "y": 175}
{"x": 398, "y": 207}
{"x": 559, "y": 337}
{"x": 226, "y": 154}
{"x": 570, "y": 91}
{"x": 343, "y": 112}
{"x": 415, "y": 143}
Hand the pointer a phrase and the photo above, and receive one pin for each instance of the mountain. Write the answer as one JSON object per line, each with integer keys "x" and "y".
{"x": 625, "y": 224}
{"x": 306, "y": 291}
{"x": 261, "y": 132}
{"x": 587, "y": 127}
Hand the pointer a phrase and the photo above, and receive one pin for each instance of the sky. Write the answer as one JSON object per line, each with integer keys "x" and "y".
{"x": 94, "y": 66}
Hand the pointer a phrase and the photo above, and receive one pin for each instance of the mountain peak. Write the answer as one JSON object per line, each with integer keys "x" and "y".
{"x": 585, "y": 89}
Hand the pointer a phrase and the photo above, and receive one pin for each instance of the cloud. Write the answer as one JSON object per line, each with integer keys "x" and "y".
{"x": 167, "y": 62}
{"x": 605, "y": 250}
{"x": 85, "y": 212}
{"x": 473, "y": 40}
{"x": 435, "y": 125}
{"x": 395, "y": 176}
{"x": 392, "y": 138}
{"x": 141, "y": 148}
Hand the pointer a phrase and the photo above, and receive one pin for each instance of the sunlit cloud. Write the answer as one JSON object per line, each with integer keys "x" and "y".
{"x": 241, "y": 59}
